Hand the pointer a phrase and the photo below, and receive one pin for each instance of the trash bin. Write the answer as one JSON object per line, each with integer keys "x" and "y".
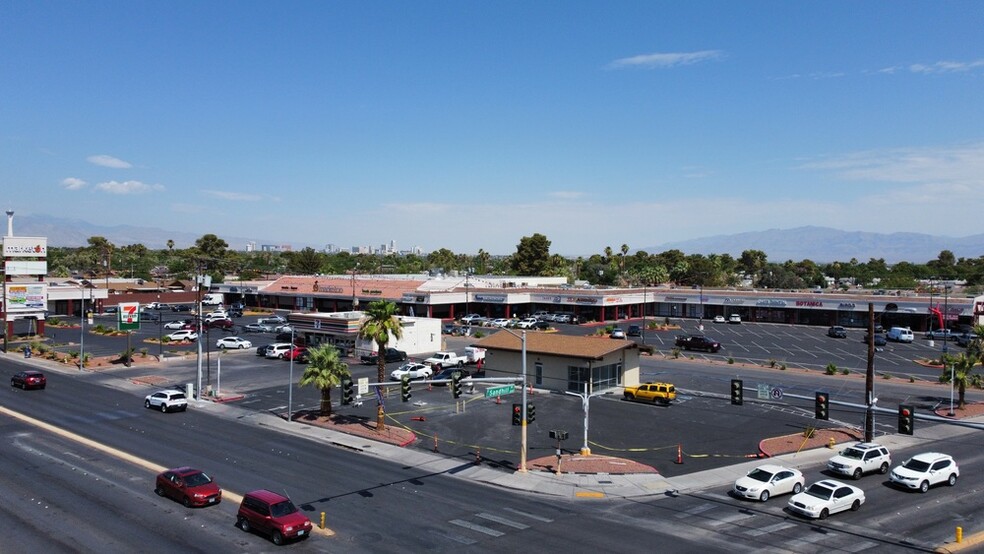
{"x": 27, "y": 351}
{"x": 190, "y": 390}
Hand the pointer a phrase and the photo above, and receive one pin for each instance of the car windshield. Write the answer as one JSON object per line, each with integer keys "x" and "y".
{"x": 281, "y": 509}
{"x": 820, "y": 491}
{"x": 197, "y": 479}
{"x": 852, "y": 453}
{"x": 760, "y": 474}
{"x": 916, "y": 465}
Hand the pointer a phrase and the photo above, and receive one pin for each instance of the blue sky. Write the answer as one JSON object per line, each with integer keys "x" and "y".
{"x": 469, "y": 125}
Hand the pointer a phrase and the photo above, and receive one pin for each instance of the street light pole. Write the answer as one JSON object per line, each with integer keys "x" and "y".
{"x": 645, "y": 297}
{"x": 290, "y": 379}
{"x": 82, "y": 327}
{"x": 946, "y": 308}
{"x": 522, "y": 444}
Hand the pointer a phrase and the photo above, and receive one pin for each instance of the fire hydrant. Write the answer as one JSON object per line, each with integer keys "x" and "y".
{"x": 831, "y": 443}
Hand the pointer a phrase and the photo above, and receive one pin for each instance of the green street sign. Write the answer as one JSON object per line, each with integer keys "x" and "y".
{"x": 499, "y": 391}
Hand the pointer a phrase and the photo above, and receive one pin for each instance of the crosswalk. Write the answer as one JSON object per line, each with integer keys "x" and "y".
{"x": 482, "y": 525}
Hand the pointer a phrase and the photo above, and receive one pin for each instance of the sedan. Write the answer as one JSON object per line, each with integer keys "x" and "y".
{"x": 191, "y": 487}
{"x": 880, "y": 339}
{"x": 167, "y": 401}
{"x": 176, "y": 325}
{"x": 233, "y": 342}
{"x": 262, "y": 350}
{"x": 184, "y": 335}
{"x": 499, "y": 322}
{"x": 769, "y": 480}
{"x": 297, "y": 354}
{"x": 719, "y": 319}
{"x": 837, "y": 332}
{"x": 617, "y": 333}
{"x": 412, "y": 370}
{"x": 29, "y": 380}
{"x": 826, "y": 497}
{"x": 258, "y": 328}
{"x": 181, "y": 308}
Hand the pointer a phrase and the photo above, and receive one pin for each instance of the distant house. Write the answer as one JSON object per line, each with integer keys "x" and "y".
{"x": 563, "y": 363}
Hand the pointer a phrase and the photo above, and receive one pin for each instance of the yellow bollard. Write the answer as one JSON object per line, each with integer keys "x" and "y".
{"x": 322, "y": 520}
{"x": 959, "y": 534}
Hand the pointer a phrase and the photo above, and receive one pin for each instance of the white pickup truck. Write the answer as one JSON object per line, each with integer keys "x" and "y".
{"x": 446, "y": 359}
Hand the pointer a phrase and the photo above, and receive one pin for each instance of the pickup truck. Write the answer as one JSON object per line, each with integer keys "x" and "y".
{"x": 697, "y": 342}
{"x": 664, "y": 393}
{"x": 446, "y": 359}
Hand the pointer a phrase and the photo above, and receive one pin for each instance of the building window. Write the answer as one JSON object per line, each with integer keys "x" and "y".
{"x": 576, "y": 376}
{"x": 538, "y": 373}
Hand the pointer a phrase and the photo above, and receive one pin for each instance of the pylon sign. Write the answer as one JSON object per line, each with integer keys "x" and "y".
{"x": 129, "y": 316}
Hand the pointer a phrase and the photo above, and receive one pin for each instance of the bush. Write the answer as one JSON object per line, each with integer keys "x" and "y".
{"x": 675, "y": 352}
{"x": 782, "y": 367}
{"x": 831, "y": 369}
{"x": 731, "y": 361}
{"x": 646, "y": 348}
{"x": 143, "y": 352}
{"x": 773, "y": 362}
{"x": 845, "y": 371}
{"x": 886, "y": 375}
{"x": 808, "y": 432}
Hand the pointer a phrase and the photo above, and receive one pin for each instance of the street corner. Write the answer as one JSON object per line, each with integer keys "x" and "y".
{"x": 358, "y": 426}
{"x": 807, "y": 440}
{"x": 969, "y": 410}
{"x": 576, "y": 463}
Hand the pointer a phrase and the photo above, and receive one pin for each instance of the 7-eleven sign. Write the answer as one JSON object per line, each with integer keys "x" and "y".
{"x": 129, "y": 318}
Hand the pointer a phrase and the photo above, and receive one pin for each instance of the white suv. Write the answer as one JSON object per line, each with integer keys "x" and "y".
{"x": 278, "y": 350}
{"x": 924, "y": 470}
{"x": 861, "y": 458}
{"x": 167, "y": 401}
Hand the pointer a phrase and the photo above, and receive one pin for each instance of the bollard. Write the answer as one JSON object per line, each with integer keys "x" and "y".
{"x": 322, "y": 520}
{"x": 435, "y": 443}
{"x": 478, "y": 456}
{"x": 959, "y": 534}
{"x": 498, "y": 400}
{"x": 831, "y": 443}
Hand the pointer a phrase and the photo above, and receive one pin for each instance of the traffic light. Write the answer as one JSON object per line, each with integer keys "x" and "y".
{"x": 822, "y": 407}
{"x": 737, "y": 392}
{"x": 517, "y": 414}
{"x": 456, "y": 384}
{"x": 907, "y": 420}
{"x": 405, "y": 388}
{"x": 530, "y": 413}
{"x": 346, "y": 390}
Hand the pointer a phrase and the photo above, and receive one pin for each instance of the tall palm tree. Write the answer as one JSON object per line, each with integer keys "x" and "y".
{"x": 962, "y": 367}
{"x": 325, "y": 372}
{"x": 379, "y": 325}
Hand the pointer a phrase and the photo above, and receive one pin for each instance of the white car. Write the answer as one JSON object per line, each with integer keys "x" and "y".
{"x": 278, "y": 350}
{"x": 826, "y": 497}
{"x": 719, "y": 319}
{"x": 861, "y": 458}
{"x": 925, "y": 470}
{"x": 233, "y": 342}
{"x": 179, "y": 336}
{"x": 769, "y": 480}
{"x": 527, "y": 323}
{"x": 734, "y": 318}
{"x": 498, "y": 322}
{"x": 413, "y": 370}
{"x": 215, "y": 315}
{"x": 167, "y": 401}
{"x": 283, "y": 328}
{"x": 175, "y": 325}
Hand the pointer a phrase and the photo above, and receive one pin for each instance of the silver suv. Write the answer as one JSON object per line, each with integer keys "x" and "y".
{"x": 861, "y": 458}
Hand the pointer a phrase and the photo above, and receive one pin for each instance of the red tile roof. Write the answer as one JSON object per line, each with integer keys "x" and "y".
{"x": 594, "y": 348}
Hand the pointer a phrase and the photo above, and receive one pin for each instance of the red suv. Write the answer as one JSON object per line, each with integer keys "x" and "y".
{"x": 273, "y": 515}
{"x": 191, "y": 486}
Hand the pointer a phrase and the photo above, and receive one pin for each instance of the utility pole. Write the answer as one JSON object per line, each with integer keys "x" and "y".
{"x": 869, "y": 378}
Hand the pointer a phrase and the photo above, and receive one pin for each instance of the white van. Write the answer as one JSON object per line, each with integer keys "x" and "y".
{"x": 213, "y": 299}
{"x": 900, "y": 334}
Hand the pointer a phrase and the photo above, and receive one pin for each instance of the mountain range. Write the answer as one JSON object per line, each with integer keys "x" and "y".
{"x": 820, "y": 244}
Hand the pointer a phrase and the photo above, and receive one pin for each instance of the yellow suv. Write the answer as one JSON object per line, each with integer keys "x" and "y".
{"x": 663, "y": 393}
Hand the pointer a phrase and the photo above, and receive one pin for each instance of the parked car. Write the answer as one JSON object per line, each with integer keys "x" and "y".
{"x": 446, "y": 374}
{"x": 273, "y": 319}
{"x": 284, "y": 328}
{"x": 180, "y": 308}
{"x": 273, "y": 515}
{"x": 498, "y": 322}
{"x": 391, "y": 355}
{"x": 472, "y": 319}
{"x": 413, "y": 370}
{"x": 296, "y": 354}
{"x": 925, "y": 470}
{"x": 262, "y": 350}
{"x": 734, "y": 318}
{"x": 278, "y": 350}
{"x": 233, "y": 342}
{"x": 225, "y": 324}
{"x": 697, "y": 342}
{"x": 167, "y": 401}
{"x": 29, "y": 379}
{"x": 258, "y": 328}
{"x": 719, "y": 319}
{"x": 183, "y": 335}
{"x": 149, "y": 315}
{"x": 880, "y": 339}
{"x": 900, "y": 334}
{"x": 541, "y": 325}
{"x": 837, "y": 332}
{"x": 861, "y": 458}
{"x": 634, "y": 331}
{"x": 190, "y": 486}
{"x": 939, "y": 334}
{"x": 177, "y": 325}
{"x": 964, "y": 339}
{"x": 826, "y": 497}
{"x": 617, "y": 333}
{"x": 767, "y": 481}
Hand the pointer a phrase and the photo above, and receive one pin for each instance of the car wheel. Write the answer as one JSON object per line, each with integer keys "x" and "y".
{"x": 244, "y": 524}
{"x": 186, "y": 501}
{"x": 159, "y": 491}
{"x": 824, "y": 513}
{"x": 629, "y": 396}
{"x": 856, "y": 506}
{"x": 797, "y": 488}
{"x": 277, "y": 538}
{"x": 764, "y": 497}
{"x": 952, "y": 480}
{"x": 883, "y": 469}
{"x": 857, "y": 474}
{"x": 461, "y": 364}
{"x": 924, "y": 486}
{"x": 163, "y": 408}
{"x": 146, "y": 403}
{"x": 241, "y": 346}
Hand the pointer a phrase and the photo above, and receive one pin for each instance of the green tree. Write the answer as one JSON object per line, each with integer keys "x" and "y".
{"x": 325, "y": 372}
{"x": 305, "y": 262}
{"x": 381, "y": 322}
{"x": 962, "y": 366}
{"x": 103, "y": 251}
{"x": 532, "y": 256}
{"x": 752, "y": 262}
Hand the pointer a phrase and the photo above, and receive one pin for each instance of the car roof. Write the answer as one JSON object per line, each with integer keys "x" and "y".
{"x": 773, "y": 468}
{"x": 866, "y": 445}
{"x": 185, "y": 470}
{"x": 930, "y": 456}
{"x": 831, "y": 483}
{"x": 267, "y": 496}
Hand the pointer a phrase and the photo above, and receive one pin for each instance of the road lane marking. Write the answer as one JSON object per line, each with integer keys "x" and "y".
{"x": 768, "y": 529}
{"x": 476, "y": 527}
{"x": 504, "y": 521}
{"x": 529, "y": 515}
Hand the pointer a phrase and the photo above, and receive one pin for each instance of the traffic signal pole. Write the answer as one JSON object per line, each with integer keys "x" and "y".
{"x": 869, "y": 378}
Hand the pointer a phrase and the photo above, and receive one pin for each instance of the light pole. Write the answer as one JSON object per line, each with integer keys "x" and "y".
{"x": 522, "y": 445}
{"x": 645, "y": 297}
{"x": 946, "y": 307}
{"x": 82, "y": 327}
{"x": 290, "y": 379}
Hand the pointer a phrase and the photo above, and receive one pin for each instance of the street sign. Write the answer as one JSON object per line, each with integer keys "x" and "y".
{"x": 129, "y": 316}
{"x": 363, "y": 385}
{"x": 492, "y": 392}
{"x": 762, "y": 391}
{"x": 776, "y": 393}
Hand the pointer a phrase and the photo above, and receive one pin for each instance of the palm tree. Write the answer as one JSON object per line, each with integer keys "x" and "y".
{"x": 962, "y": 367}
{"x": 325, "y": 371}
{"x": 381, "y": 323}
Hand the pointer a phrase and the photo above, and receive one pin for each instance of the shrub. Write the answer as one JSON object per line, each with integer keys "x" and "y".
{"x": 773, "y": 362}
{"x": 646, "y": 348}
{"x": 143, "y": 352}
{"x": 479, "y": 334}
{"x": 886, "y": 375}
{"x": 809, "y": 431}
{"x": 912, "y": 379}
{"x": 675, "y": 352}
{"x": 831, "y": 369}
{"x": 731, "y": 361}
{"x": 782, "y": 367}
{"x": 845, "y": 371}
{"x": 73, "y": 354}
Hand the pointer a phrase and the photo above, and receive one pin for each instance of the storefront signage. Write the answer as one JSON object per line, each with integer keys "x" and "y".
{"x": 613, "y": 300}
{"x": 771, "y": 303}
{"x": 734, "y": 300}
{"x": 25, "y": 247}
{"x": 24, "y": 267}
{"x": 330, "y": 289}
{"x": 24, "y": 298}
{"x": 545, "y": 298}
{"x": 809, "y": 303}
{"x": 372, "y": 292}
{"x": 490, "y": 298}
{"x": 582, "y": 300}
{"x": 675, "y": 298}
{"x": 846, "y": 306}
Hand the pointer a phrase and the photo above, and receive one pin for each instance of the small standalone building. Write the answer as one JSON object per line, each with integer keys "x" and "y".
{"x": 420, "y": 334}
{"x": 563, "y": 363}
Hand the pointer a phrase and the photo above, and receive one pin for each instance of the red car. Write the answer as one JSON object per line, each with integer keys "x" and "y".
{"x": 29, "y": 380}
{"x": 191, "y": 487}
{"x": 273, "y": 515}
{"x": 298, "y": 354}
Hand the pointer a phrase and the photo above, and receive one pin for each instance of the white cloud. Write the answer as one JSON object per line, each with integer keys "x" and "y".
{"x": 665, "y": 59}
{"x": 955, "y": 165}
{"x": 109, "y": 161}
{"x": 73, "y": 183}
{"x": 234, "y": 196}
{"x": 127, "y": 187}
{"x": 946, "y": 66}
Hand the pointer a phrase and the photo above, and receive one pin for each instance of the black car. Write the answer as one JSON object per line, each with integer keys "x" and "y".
{"x": 446, "y": 374}
{"x": 634, "y": 331}
{"x": 150, "y": 316}
{"x": 391, "y": 355}
{"x": 964, "y": 339}
{"x": 262, "y": 350}
{"x": 697, "y": 342}
{"x": 540, "y": 325}
{"x": 181, "y": 308}
{"x": 880, "y": 339}
{"x": 837, "y": 332}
